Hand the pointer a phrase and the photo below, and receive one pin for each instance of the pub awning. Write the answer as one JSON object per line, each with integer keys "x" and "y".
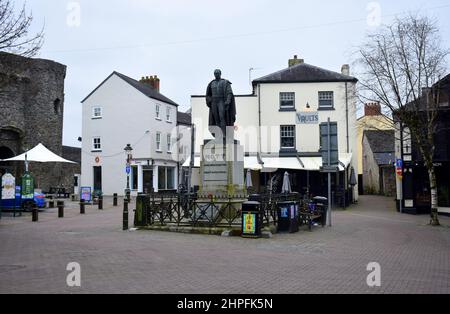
{"x": 249, "y": 163}
{"x": 272, "y": 164}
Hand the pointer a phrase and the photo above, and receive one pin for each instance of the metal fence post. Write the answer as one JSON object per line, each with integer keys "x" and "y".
{"x": 82, "y": 207}
{"x": 60, "y": 205}
{"x": 125, "y": 214}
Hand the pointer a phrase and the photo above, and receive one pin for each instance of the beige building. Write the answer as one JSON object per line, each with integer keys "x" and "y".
{"x": 373, "y": 119}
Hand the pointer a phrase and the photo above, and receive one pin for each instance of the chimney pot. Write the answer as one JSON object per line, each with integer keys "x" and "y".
{"x": 345, "y": 70}
{"x": 295, "y": 61}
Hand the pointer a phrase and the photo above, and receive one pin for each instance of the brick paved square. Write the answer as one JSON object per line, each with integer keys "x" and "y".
{"x": 414, "y": 257}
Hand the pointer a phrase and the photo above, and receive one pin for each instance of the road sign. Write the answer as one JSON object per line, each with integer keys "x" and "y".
{"x": 128, "y": 169}
{"x": 329, "y": 169}
{"x": 399, "y": 168}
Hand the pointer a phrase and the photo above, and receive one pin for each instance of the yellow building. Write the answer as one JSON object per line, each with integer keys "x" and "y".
{"x": 373, "y": 119}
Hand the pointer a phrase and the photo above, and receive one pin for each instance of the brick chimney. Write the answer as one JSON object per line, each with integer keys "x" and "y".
{"x": 372, "y": 109}
{"x": 345, "y": 70}
{"x": 154, "y": 82}
{"x": 295, "y": 61}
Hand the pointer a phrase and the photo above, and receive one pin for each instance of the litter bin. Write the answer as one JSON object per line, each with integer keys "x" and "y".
{"x": 321, "y": 205}
{"x": 141, "y": 212}
{"x": 251, "y": 219}
{"x": 288, "y": 216}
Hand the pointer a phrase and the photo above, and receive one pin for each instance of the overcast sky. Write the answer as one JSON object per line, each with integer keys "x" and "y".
{"x": 183, "y": 41}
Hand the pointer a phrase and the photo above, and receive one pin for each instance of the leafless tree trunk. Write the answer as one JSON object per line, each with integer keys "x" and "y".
{"x": 14, "y": 31}
{"x": 400, "y": 66}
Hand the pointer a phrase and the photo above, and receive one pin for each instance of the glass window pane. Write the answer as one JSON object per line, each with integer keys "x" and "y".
{"x": 134, "y": 177}
{"x": 170, "y": 178}
{"x": 161, "y": 178}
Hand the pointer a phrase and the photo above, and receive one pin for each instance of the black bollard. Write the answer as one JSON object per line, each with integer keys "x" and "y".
{"x": 129, "y": 196}
{"x": 100, "y": 202}
{"x": 82, "y": 207}
{"x": 51, "y": 204}
{"x": 125, "y": 214}
{"x": 60, "y": 205}
{"x": 115, "y": 200}
{"x": 35, "y": 214}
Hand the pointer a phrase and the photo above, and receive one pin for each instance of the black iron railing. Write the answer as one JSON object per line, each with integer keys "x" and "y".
{"x": 205, "y": 211}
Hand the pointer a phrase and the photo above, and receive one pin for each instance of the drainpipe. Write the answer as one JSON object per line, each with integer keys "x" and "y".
{"x": 261, "y": 162}
{"x": 348, "y": 144}
{"x": 346, "y": 117}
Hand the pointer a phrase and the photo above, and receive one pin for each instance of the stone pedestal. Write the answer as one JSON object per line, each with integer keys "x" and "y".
{"x": 222, "y": 168}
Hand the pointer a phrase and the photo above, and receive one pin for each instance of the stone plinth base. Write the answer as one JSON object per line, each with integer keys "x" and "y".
{"x": 222, "y": 168}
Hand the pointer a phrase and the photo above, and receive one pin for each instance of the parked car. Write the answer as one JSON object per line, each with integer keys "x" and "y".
{"x": 18, "y": 203}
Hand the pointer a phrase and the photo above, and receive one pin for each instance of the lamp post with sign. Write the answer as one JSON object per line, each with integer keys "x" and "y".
{"x": 128, "y": 149}
{"x": 330, "y": 156}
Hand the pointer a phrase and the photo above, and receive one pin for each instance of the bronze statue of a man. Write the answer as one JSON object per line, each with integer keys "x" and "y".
{"x": 221, "y": 102}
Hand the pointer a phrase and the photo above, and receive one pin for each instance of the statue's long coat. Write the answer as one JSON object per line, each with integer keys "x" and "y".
{"x": 230, "y": 114}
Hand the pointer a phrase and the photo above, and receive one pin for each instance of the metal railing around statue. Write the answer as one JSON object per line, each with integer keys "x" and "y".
{"x": 192, "y": 210}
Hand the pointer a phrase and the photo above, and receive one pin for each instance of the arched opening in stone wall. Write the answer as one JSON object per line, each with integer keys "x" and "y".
{"x": 5, "y": 153}
{"x": 57, "y": 105}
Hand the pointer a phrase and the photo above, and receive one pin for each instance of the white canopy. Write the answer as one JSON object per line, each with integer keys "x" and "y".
{"x": 40, "y": 154}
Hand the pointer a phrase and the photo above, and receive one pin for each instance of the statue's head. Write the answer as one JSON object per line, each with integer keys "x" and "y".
{"x": 218, "y": 74}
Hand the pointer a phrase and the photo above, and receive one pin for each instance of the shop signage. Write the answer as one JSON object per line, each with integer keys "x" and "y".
{"x": 8, "y": 187}
{"x": 86, "y": 193}
{"x": 307, "y": 117}
{"x": 249, "y": 224}
{"x": 27, "y": 187}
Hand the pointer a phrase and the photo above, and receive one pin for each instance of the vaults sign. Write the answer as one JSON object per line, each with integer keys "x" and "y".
{"x": 307, "y": 118}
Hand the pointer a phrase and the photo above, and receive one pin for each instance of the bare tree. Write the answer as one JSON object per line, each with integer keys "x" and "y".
{"x": 401, "y": 65}
{"x": 14, "y": 31}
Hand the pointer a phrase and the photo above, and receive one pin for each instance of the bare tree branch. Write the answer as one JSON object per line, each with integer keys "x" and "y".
{"x": 401, "y": 66}
{"x": 14, "y": 31}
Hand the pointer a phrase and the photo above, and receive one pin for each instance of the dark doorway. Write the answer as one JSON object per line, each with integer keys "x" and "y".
{"x": 5, "y": 153}
{"x": 97, "y": 178}
{"x": 147, "y": 178}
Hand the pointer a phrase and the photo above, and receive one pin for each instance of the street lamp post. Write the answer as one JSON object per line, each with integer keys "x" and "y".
{"x": 128, "y": 149}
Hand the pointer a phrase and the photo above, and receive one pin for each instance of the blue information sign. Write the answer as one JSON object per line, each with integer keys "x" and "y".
{"x": 128, "y": 169}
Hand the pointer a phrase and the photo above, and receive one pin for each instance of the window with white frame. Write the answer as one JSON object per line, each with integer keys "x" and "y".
{"x": 287, "y": 133}
{"x": 168, "y": 114}
{"x": 97, "y": 144}
{"x": 169, "y": 143}
{"x": 166, "y": 178}
{"x": 326, "y": 100}
{"x": 158, "y": 142}
{"x": 158, "y": 112}
{"x": 287, "y": 101}
{"x": 97, "y": 112}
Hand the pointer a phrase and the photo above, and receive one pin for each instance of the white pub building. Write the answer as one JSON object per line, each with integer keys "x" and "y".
{"x": 279, "y": 126}
{"x": 123, "y": 111}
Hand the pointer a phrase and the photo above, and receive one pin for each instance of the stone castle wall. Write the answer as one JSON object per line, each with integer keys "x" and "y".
{"x": 32, "y": 107}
